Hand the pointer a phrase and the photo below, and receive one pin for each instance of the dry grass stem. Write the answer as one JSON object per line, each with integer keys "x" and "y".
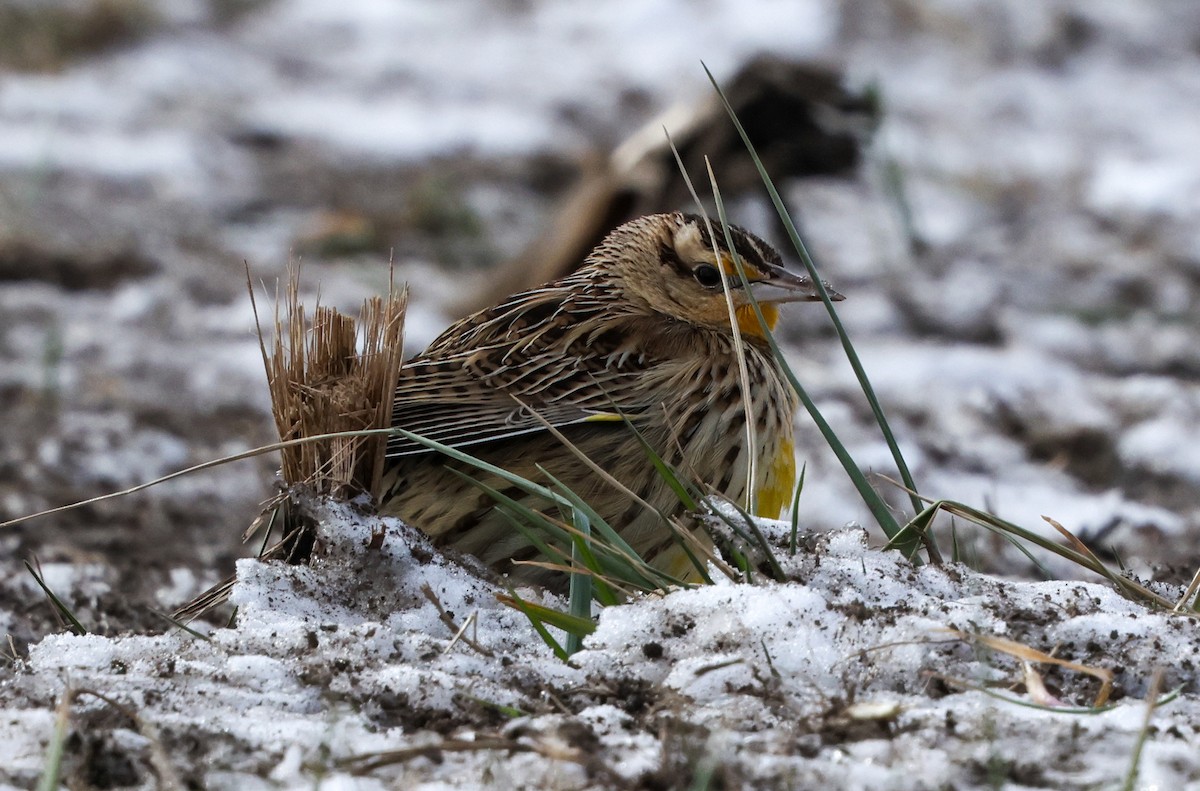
{"x": 1189, "y": 594}
{"x": 1028, "y": 654}
{"x": 448, "y": 620}
{"x": 331, "y": 375}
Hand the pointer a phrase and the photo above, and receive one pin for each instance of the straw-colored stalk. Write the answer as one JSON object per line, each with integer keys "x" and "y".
{"x": 334, "y": 375}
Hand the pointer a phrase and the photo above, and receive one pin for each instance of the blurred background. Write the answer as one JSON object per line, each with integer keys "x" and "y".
{"x": 1007, "y": 192}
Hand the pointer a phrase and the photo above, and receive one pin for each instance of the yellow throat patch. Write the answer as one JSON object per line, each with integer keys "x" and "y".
{"x": 748, "y": 321}
{"x": 746, "y": 318}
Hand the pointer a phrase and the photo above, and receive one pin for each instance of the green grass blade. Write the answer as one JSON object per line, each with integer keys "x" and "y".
{"x": 671, "y": 477}
{"x": 480, "y": 464}
{"x": 583, "y": 556}
{"x": 548, "y": 615}
{"x": 537, "y": 616}
{"x": 919, "y": 526}
{"x": 1126, "y": 586}
{"x": 517, "y": 519}
{"x": 533, "y": 524}
{"x": 601, "y": 590}
{"x": 873, "y": 501}
{"x": 908, "y": 540}
{"x": 665, "y": 471}
{"x": 601, "y": 558}
{"x": 792, "y": 539}
{"x": 534, "y": 517}
{"x": 851, "y": 354}
{"x": 687, "y": 498}
{"x": 753, "y": 535}
{"x": 610, "y": 540}
{"x": 59, "y": 606}
{"x": 1028, "y": 704}
{"x": 575, "y": 502}
{"x": 699, "y": 565}
{"x": 580, "y": 593}
{"x": 523, "y": 515}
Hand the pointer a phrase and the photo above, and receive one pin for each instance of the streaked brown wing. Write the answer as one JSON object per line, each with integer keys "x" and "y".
{"x": 542, "y": 349}
{"x": 465, "y": 423}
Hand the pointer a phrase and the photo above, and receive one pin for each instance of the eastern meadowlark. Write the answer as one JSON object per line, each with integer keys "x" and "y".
{"x": 640, "y": 333}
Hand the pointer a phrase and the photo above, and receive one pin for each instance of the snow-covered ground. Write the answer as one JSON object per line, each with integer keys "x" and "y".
{"x": 1033, "y": 337}
{"x": 854, "y": 674}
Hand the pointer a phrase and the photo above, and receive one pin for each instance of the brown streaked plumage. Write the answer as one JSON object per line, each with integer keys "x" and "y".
{"x": 642, "y": 330}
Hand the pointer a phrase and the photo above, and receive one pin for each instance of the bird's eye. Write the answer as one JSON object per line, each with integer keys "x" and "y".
{"x": 707, "y": 275}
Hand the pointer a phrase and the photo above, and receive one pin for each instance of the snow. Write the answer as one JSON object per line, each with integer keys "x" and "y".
{"x": 1039, "y": 359}
{"x": 1163, "y": 445}
{"x": 321, "y": 671}
{"x": 506, "y": 69}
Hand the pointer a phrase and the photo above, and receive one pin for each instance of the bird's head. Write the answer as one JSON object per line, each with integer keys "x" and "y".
{"x": 666, "y": 262}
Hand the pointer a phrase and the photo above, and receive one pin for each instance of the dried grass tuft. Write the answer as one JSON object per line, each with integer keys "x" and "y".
{"x": 333, "y": 375}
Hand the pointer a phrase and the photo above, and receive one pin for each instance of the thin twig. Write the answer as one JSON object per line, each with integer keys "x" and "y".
{"x": 247, "y": 454}
{"x": 448, "y": 619}
{"x": 369, "y": 762}
{"x": 1189, "y": 593}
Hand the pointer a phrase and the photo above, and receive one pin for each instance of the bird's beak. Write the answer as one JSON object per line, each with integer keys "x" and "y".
{"x": 780, "y": 285}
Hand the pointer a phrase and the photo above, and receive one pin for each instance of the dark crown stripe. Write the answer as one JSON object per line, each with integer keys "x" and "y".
{"x": 753, "y": 250}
